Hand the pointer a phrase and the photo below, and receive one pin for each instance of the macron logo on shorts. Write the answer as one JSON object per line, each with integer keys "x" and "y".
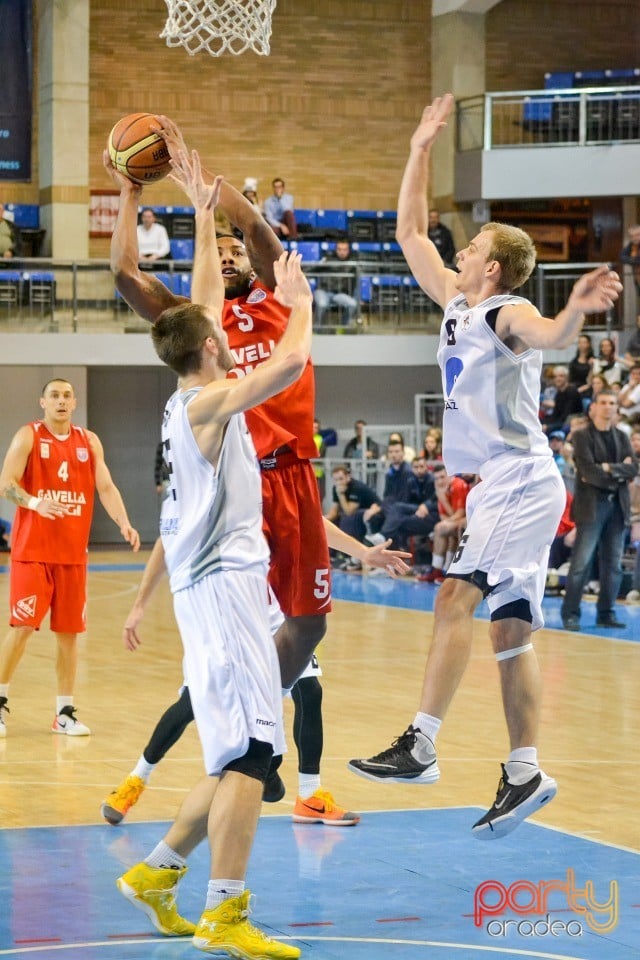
{"x": 25, "y": 609}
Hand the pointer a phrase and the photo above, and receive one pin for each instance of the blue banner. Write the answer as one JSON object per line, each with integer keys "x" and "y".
{"x": 16, "y": 60}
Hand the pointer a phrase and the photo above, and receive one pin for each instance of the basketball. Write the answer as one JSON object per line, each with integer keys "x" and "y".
{"x": 137, "y": 151}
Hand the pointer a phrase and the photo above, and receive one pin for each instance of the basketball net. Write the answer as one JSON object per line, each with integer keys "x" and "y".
{"x": 219, "y": 25}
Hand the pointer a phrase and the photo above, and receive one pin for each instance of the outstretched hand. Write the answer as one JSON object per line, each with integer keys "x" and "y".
{"x": 434, "y": 119}
{"x": 122, "y": 183}
{"x": 187, "y": 173}
{"x": 171, "y": 134}
{"x": 291, "y": 283}
{"x": 390, "y": 560}
{"x": 595, "y": 291}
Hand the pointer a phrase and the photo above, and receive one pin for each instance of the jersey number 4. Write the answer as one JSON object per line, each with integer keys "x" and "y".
{"x": 63, "y": 470}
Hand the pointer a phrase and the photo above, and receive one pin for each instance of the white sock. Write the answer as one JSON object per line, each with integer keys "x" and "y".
{"x": 427, "y": 724}
{"x": 4, "y": 690}
{"x": 522, "y": 765}
{"x": 437, "y": 561}
{"x": 308, "y": 783}
{"x": 164, "y": 856}
{"x": 143, "y": 769}
{"x": 220, "y": 890}
{"x": 63, "y": 702}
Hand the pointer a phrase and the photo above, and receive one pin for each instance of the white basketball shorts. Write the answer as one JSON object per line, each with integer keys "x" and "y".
{"x": 512, "y": 518}
{"x": 230, "y": 663}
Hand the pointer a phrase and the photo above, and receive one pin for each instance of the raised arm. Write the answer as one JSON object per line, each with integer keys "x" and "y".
{"x": 207, "y": 287}
{"x": 263, "y": 246}
{"x": 144, "y": 293}
{"x": 594, "y": 292}
{"x": 413, "y": 210}
{"x": 219, "y": 400}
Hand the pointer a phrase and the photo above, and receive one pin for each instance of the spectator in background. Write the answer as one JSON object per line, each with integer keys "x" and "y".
{"x": 451, "y": 493}
{"x": 556, "y": 442}
{"x": 607, "y": 363}
{"x": 153, "y": 239}
{"x": 337, "y": 291}
{"x": 350, "y": 500}
{"x": 9, "y": 236}
{"x": 604, "y": 464}
{"x": 5, "y": 536}
{"x": 418, "y": 515}
{"x": 409, "y": 452}
{"x": 396, "y": 490}
{"x": 581, "y": 365}
{"x": 629, "y": 398}
{"x": 566, "y": 401}
{"x": 250, "y": 191}
{"x": 631, "y": 254}
{"x": 279, "y": 212}
{"x": 442, "y": 239}
{"x": 355, "y": 448}
{"x": 433, "y": 444}
{"x": 632, "y": 351}
{"x": 597, "y": 383}
{"x": 565, "y": 537}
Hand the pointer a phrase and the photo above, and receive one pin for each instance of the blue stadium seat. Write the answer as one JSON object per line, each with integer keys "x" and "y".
{"x": 183, "y": 284}
{"x": 362, "y": 225}
{"x": 365, "y": 289}
{"x": 332, "y": 220}
{"x": 367, "y": 250}
{"x": 166, "y": 278}
{"x": 559, "y": 80}
{"x": 310, "y": 249}
{"x": 536, "y": 110}
{"x": 305, "y": 217}
{"x": 182, "y": 249}
{"x": 25, "y": 215}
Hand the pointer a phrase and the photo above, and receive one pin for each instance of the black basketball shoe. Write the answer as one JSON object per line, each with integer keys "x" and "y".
{"x": 410, "y": 759}
{"x": 513, "y": 804}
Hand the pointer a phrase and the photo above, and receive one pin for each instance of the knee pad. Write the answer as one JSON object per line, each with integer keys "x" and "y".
{"x": 256, "y": 761}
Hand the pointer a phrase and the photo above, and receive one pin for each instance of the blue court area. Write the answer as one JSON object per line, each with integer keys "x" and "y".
{"x": 409, "y": 594}
{"x": 403, "y": 884}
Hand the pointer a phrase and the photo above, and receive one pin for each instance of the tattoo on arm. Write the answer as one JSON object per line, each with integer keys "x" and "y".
{"x": 17, "y": 495}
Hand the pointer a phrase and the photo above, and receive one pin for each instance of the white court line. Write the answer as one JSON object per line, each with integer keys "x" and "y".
{"x": 153, "y": 941}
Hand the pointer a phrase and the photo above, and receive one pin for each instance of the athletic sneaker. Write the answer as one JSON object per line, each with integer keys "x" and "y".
{"x": 435, "y": 575}
{"x": 153, "y": 890}
{"x": 117, "y": 805}
{"x": 320, "y": 807}
{"x": 513, "y": 804}
{"x": 3, "y": 709}
{"x": 410, "y": 759}
{"x": 226, "y": 929}
{"x": 67, "y": 722}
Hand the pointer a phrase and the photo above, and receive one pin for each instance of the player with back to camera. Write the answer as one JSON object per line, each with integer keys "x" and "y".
{"x": 282, "y": 430}
{"x": 490, "y": 358}
{"x": 217, "y": 559}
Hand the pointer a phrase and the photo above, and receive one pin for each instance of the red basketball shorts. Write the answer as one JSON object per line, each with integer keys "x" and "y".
{"x": 38, "y": 587}
{"x": 299, "y": 571}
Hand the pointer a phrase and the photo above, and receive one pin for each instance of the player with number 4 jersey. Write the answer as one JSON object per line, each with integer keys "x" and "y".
{"x": 51, "y": 472}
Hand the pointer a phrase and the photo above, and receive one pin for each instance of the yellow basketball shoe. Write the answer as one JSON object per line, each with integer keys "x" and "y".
{"x": 117, "y": 805}
{"x": 320, "y": 807}
{"x": 153, "y": 890}
{"x": 226, "y": 929}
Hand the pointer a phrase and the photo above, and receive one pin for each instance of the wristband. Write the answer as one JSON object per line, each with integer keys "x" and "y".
{"x": 34, "y": 503}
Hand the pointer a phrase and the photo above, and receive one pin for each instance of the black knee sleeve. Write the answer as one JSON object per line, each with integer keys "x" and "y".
{"x": 256, "y": 761}
{"x": 307, "y": 723}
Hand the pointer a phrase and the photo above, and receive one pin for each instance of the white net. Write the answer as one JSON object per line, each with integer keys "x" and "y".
{"x": 219, "y": 25}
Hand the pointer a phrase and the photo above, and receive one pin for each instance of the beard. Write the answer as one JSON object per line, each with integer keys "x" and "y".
{"x": 237, "y": 287}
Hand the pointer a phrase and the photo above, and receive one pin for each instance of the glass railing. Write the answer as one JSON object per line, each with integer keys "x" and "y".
{"x": 529, "y": 118}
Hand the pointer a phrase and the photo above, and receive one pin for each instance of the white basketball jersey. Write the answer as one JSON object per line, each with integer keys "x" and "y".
{"x": 211, "y": 518}
{"x": 491, "y": 395}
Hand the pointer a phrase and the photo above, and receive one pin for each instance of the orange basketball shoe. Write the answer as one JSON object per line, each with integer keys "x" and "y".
{"x": 117, "y": 805}
{"x": 320, "y": 807}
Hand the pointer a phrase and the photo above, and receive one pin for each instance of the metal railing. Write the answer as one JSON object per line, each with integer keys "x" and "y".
{"x": 527, "y": 118}
{"x": 79, "y": 296}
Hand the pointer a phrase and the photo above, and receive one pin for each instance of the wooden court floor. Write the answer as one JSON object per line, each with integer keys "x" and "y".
{"x": 372, "y": 660}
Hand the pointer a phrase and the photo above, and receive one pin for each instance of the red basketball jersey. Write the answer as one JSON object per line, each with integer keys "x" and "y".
{"x": 254, "y": 324}
{"x": 60, "y": 470}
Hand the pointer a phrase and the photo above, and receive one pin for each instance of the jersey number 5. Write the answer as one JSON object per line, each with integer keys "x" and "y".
{"x": 450, "y": 327}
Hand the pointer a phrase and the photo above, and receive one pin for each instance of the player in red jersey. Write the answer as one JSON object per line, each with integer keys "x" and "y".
{"x": 51, "y": 471}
